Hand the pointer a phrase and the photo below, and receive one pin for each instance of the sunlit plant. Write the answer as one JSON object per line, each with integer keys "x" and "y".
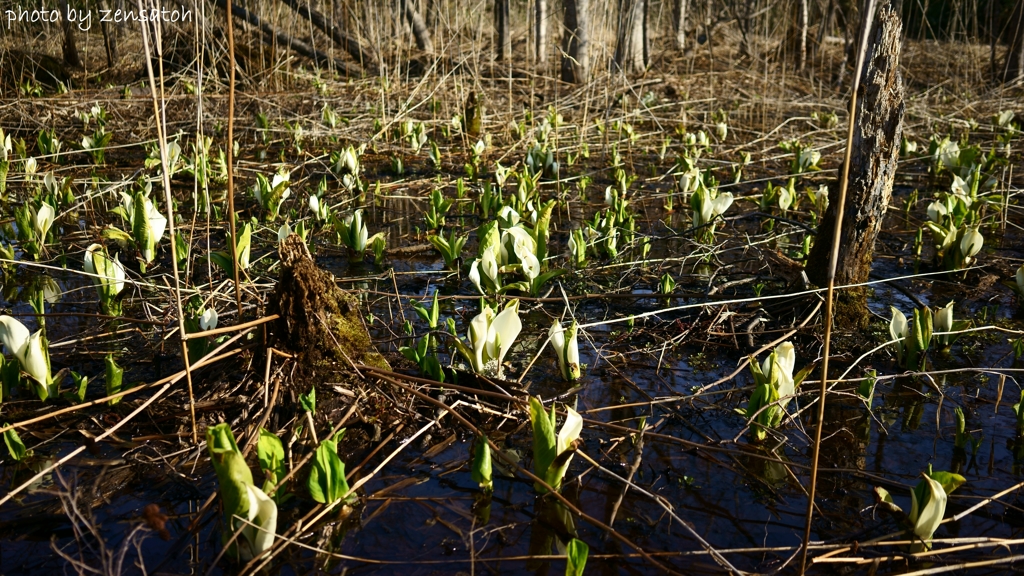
{"x": 481, "y": 470}
{"x": 942, "y": 321}
{"x": 567, "y": 349}
{"x": 552, "y": 452}
{"x": 450, "y": 248}
{"x": 436, "y": 210}
{"x": 32, "y": 353}
{"x": 327, "y": 483}
{"x": 911, "y": 340}
{"x": 270, "y": 451}
{"x": 34, "y": 226}
{"x": 927, "y": 504}
{"x": 708, "y": 204}
{"x": 271, "y": 193}
{"x": 352, "y": 232}
{"x": 490, "y": 337}
{"x": 146, "y": 222}
{"x": 247, "y": 509}
{"x": 774, "y": 386}
{"x": 243, "y": 248}
{"x": 107, "y": 275}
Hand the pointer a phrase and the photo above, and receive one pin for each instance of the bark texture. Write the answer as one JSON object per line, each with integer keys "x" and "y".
{"x": 70, "y": 48}
{"x": 1013, "y": 66}
{"x": 631, "y": 43}
{"x": 575, "y": 41}
{"x": 875, "y": 151}
{"x": 801, "y": 42}
{"x": 502, "y": 31}
{"x": 679, "y": 10}
{"x": 419, "y": 28}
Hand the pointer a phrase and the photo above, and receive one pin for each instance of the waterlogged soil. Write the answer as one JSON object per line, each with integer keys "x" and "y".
{"x": 668, "y": 367}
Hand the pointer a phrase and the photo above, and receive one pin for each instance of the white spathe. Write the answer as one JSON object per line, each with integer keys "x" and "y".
{"x": 43, "y": 220}
{"x": 208, "y": 320}
{"x": 898, "y": 329}
{"x": 567, "y": 350}
{"x": 491, "y": 337}
{"x": 27, "y": 348}
{"x": 107, "y": 273}
{"x": 258, "y": 535}
{"x": 926, "y": 519}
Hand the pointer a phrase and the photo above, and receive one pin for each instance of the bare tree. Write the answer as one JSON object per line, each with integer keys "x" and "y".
{"x": 541, "y": 32}
{"x": 109, "y": 36}
{"x": 873, "y": 158}
{"x": 71, "y": 57}
{"x": 801, "y": 42}
{"x": 503, "y": 35}
{"x": 631, "y": 42}
{"x": 1013, "y": 66}
{"x": 575, "y": 39}
{"x": 419, "y": 28}
{"x": 679, "y": 10}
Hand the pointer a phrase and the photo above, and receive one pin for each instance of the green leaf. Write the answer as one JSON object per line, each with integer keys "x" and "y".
{"x": 327, "y": 478}
{"x": 541, "y": 230}
{"x": 14, "y": 444}
{"x": 233, "y": 473}
{"x": 544, "y": 440}
{"x": 224, "y": 262}
{"x": 576, "y": 556}
{"x": 114, "y": 378}
{"x": 81, "y": 382}
{"x": 948, "y": 480}
{"x": 481, "y": 469}
{"x": 308, "y": 401}
{"x": 270, "y": 451}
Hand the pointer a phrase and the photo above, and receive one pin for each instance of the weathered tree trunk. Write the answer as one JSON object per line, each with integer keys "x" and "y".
{"x": 541, "y": 32}
{"x": 630, "y": 45}
{"x": 502, "y": 32}
{"x": 271, "y": 36}
{"x": 109, "y": 37}
{"x": 1013, "y": 66}
{"x": 71, "y": 57}
{"x": 419, "y": 28}
{"x": 348, "y": 43}
{"x": 679, "y": 9}
{"x": 575, "y": 41}
{"x": 875, "y": 151}
{"x": 801, "y": 42}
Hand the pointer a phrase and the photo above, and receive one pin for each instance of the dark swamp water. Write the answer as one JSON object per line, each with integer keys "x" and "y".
{"x": 421, "y": 513}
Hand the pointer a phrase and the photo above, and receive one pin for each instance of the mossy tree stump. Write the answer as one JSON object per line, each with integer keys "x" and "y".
{"x": 320, "y": 322}
{"x": 874, "y": 154}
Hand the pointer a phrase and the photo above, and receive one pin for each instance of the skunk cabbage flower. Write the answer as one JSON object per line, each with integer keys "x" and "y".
{"x": 927, "y": 515}
{"x": 943, "y": 322}
{"x": 722, "y": 131}
{"x": 567, "y": 348}
{"x": 242, "y": 499}
{"x": 1020, "y": 280}
{"x": 208, "y": 320}
{"x": 550, "y": 449}
{"x": 490, "y": 338}
{"x": 30, "y": 350}
{"x": 107, "y": 275}
{"x": 43, "y": 220}
{"x": 971, "y": 244}
{"x": 524, "y": 247}
{"x": 898, "y": 330}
